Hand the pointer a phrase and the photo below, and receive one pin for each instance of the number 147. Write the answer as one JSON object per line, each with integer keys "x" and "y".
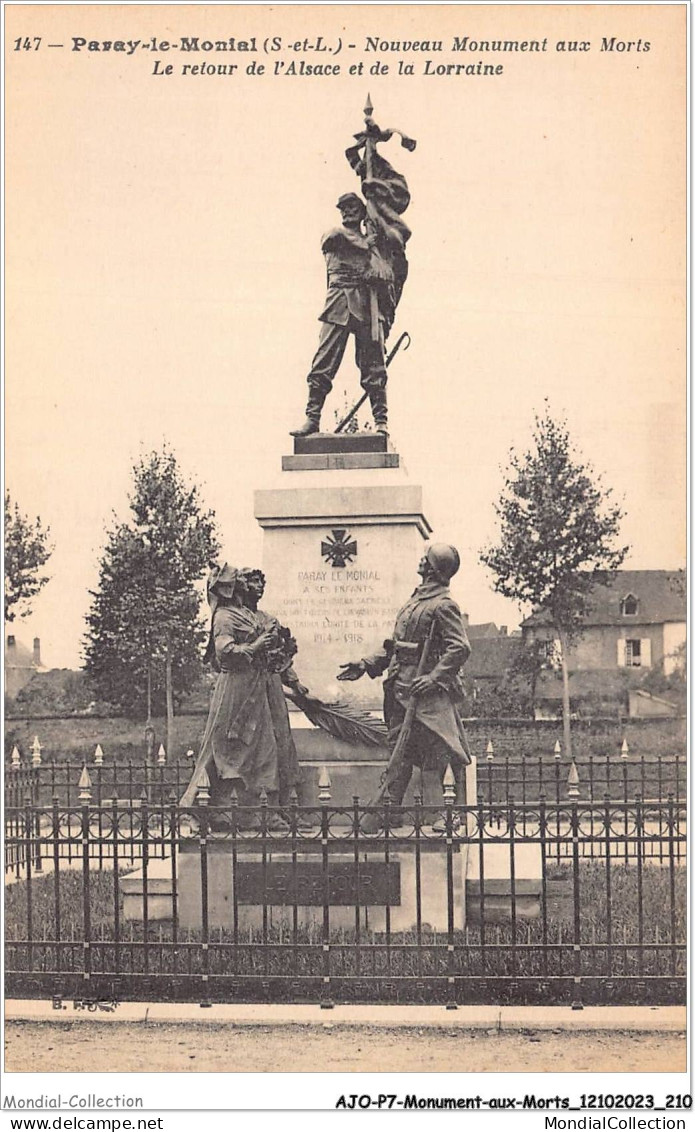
{"x": 24, "y": 43}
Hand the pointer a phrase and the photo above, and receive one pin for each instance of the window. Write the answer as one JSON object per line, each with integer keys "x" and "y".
{"x": 629, "y": 605}
{"x": 635, "y": 653}
{"x": 550, "y": 652}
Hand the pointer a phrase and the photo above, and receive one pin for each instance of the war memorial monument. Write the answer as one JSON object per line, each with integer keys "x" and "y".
{"x": 348, "y": 568}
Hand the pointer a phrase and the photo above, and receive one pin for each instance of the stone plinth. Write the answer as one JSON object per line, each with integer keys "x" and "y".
{"x": 346, "y": 442}
{"x": 341, "y": 544}
{"x": 370, "y": 886}
{"x": 339, "y": 451}
{"x": 357, "y": 770}
{"x": 497, "y": 883}
{"x": 160, "y": 903}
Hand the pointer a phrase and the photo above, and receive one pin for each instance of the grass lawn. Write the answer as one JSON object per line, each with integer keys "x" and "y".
{"x": 610, "y": 935}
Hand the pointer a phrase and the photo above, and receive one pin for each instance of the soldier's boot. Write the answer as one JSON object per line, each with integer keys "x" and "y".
{"x": 293, "y": 815}
{"x": 439, "y": 825}
{"x": 396, "y": 787}
{"x": 377, "y": 399}
{"x": 312, "y": 422}
{"x": 274, "y": 820}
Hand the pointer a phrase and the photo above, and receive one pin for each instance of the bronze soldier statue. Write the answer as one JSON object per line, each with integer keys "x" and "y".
{"x": 366, "y": 269}
{"x": 422, "y": 690}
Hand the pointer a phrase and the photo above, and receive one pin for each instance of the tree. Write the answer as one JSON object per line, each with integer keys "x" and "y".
{"x": 27, "y": 551}
{"x": 558, "y": 530}
{"x": 145, "y": 630}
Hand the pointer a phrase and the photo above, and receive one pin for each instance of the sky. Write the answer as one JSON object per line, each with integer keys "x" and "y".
{"x": 164, "y": 273}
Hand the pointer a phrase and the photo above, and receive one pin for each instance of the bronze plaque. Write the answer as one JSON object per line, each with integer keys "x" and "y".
{"x": 281, "y": 882}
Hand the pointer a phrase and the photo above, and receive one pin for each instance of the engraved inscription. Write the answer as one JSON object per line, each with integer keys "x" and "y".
{"x": 378, "y": 883}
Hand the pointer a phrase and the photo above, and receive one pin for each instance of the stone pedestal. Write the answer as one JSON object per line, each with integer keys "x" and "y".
{"x": 497, "y": 883}
{"x": 343, "y": 533}
{"x": 366, "y": 888}
{"x": 357, "y": 770}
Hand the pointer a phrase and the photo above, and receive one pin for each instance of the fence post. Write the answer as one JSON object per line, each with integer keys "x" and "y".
{"x": 573, "y": 781}
{"x": 202, "y": 801}
{"x": 324, "y": 785}
{"x": 490, "y": 758}
{"x": 542, "y": 836}
{"x": 672, "y": 879}
{"x": 85, "y": 786}
{"x": 55, "y": 834}
{"x": 34, "y": 779}
{"x": 85, "y": 797}
{"x": 577, "y": 1003}
{"x": 28, "y": 863}
{"x": 449, "y": 790}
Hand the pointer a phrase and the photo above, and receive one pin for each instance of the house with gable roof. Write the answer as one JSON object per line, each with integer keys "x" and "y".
{"x": 636, "y": 622}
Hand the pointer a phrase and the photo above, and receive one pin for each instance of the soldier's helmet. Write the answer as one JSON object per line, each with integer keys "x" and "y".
{"x": 444, "y": 560}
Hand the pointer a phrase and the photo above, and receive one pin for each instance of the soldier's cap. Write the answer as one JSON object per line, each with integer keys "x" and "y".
{"x": 349, "y": 198}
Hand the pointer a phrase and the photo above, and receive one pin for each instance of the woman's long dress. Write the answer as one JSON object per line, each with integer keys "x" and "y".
{"x": 247, "y": 736}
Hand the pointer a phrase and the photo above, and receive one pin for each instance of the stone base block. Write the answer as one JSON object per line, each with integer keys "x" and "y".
{"x": 497, "y": 883}
{"x": 160, "y": 903}
{"x": 339, "y": 461}
{"x": 345, "y": 442}
{"x": 365, "y": 890}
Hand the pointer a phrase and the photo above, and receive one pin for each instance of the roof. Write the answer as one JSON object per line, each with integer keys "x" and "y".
{"x": 491, "y": 656}
{"x": 484, "y": 629}
{"x": 660, "y": 594}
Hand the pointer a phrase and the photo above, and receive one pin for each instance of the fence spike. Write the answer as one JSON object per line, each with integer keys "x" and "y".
{"x": 489, "y": 751}
{"x": 85, "y": 786}
{"x": 449, "y": 784}
{"x": 573, "y": 781}
{"x": 324, "y": 785}
{"x": 202, "y": 792}
{"x": 36, "y": 749}
{"x": 15, "y": 759}
{"x": 557, "y": 749}
{"x": 98, "y": 756}
{"x": 624, "y": 749}
{"x": 293, "y": 797}
{"x": 161, "y": 755}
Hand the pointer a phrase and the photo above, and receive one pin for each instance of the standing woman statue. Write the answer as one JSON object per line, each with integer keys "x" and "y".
{"x": 247, "y": 746}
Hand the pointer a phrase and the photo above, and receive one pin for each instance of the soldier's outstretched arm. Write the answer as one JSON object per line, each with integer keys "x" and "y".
{"x": 373, "y": 665}
{"x": 353, "y": 670}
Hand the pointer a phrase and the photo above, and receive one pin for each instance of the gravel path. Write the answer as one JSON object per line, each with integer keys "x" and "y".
{"x": 61, "y": 1047}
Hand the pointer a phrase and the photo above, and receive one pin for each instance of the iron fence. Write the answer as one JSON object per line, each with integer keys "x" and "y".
{"x": 531, "y": 902}
{"x": 160, "y": 779}
{"x": 623, "y": 775}
{"x": 156, "y": 779}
